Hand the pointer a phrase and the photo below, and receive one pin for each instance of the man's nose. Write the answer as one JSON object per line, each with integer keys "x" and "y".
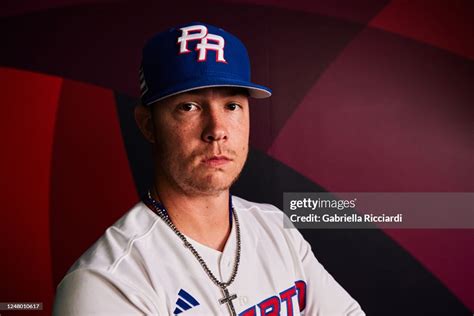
{"x": 215, "y": 126}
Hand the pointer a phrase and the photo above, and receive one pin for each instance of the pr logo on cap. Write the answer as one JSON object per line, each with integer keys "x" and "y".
{"x": 194, "y": 56}
{"x": 199, "y": 32}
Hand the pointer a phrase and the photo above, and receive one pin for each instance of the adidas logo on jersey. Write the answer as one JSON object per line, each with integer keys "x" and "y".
{"x": 184, "y": 302}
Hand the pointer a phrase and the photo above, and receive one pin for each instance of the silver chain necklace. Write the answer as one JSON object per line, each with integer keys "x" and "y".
{"x": 160, "y": 210}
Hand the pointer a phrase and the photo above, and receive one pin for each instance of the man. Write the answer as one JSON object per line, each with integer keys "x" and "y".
{"x": 189, "y": 247}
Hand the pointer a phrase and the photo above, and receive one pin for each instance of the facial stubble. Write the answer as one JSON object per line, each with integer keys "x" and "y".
{"x": 185, "y": 177}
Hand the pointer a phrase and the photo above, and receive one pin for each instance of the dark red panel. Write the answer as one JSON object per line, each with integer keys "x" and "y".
{"x": 311, "y": 43}
{"x": 388, "y": 114}
{"x": 445, "y": 24}
{"x": 357, "y": 11}
{"x": 392, "y": 115}
{"x": 91, "y": 183}
{"x": 17, "y": 7}
{"x": 447, "y": 254}
{"x": 29, "y": 103}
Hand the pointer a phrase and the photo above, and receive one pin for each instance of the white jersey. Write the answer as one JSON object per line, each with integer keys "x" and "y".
{"x": 139, "y": 266}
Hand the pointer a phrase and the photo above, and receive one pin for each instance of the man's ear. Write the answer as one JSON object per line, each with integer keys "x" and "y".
{"x": 144, "y": 122}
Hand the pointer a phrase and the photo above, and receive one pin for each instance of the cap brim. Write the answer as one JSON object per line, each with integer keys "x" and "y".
{"x": 255, "y": 90}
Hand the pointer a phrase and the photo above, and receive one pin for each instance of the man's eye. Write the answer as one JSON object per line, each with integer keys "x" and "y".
{"x": 233, "y": 106}
{"x": 188, "y": 107}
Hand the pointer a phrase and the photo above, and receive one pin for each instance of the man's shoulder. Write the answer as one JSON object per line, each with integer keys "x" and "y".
{"x": 267, "y": 219}
{"x": 263, "y": 213}
{"x": 118, "y": 240}
{"x": 254, "y": 207}
{"x": 244, "y": 204}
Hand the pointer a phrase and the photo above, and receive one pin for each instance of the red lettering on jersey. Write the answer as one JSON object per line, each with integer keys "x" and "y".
{"x": 249, "y": 312}
{"x": 286, "y": 296}
{"x": 301, "y": 289}
{"x": 270, "y": 307}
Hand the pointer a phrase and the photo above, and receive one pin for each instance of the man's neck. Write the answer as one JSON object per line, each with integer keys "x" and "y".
{"x": 204, "y": 218}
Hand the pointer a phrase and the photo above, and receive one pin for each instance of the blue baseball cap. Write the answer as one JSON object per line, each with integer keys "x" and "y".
{"x": 194, "y": 56}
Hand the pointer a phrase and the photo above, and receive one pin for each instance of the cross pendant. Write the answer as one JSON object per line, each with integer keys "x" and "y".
{"x": 227, "y": 299}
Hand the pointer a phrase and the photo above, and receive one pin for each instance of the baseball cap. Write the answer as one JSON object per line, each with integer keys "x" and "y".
{"x": 194, "y": 56}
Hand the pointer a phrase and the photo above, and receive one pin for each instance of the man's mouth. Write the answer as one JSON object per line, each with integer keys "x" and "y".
{"x": 216, "y": 161}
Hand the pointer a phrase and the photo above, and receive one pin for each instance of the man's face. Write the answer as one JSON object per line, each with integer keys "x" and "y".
{"x": 201, "y": 138}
